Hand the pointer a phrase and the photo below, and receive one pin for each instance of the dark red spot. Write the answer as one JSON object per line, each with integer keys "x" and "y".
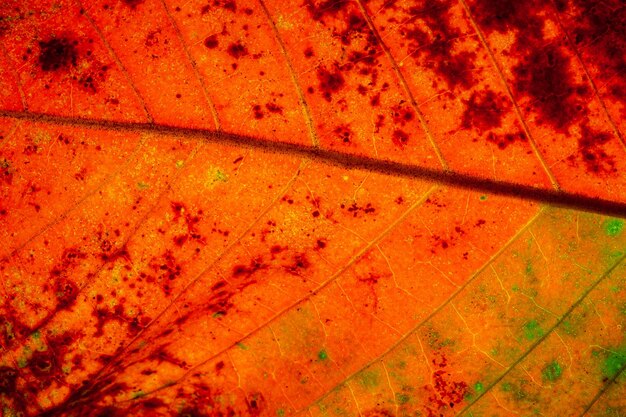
{"x": 545, "y": 77}
{"x": 57, "y": 54}
{"x": 211, "y": 41}
{"x": 300, "y": 262}
{"x": 431, "y": 43}
{"x": 246, "y": 271}
{"x": 325, "y": 8}
{"x": 484, "y": 110}
{"x": 133, "y": 3}
{"x": 258, "y": 111}
{"x": 400, "y": 138}
{"x": 237, "y": 50}
{"x": 330, "y": 81}
{"x": 8, "y": 380}
{"x": 274, "y": 108}
{"x": 343, "y": 132}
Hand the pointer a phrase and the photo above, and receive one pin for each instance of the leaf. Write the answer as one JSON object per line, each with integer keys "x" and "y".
{"x": 373, "y": 208}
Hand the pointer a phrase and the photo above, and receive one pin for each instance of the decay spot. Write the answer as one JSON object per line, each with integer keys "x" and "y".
{"x": 325, "y": 8}
{"x": 590, "y": 151}
{"x": 133, "y": 3}
{"x": 545, "y": 77}
{"x": 274, "y": 108}
{"x": 431, "y": 41}
{"x": 484, "y": 110}
{"x": 57, "y": 54}
{"x": 330, "y": 81}
{"x": 444, "y": 391}
{"x": 8, "y": 380}
{"x": 237, "y": 50}
{"x": 343, "y": 132}
{"x": 211, "y": 42}
{"x": 400, "y": 138}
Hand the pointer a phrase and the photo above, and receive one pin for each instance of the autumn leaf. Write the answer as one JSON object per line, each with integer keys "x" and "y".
{"x": 336, "y": 207}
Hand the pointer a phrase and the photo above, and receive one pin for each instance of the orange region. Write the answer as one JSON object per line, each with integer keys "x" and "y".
{"x": 51, "y": 171}
{"x": 148, "y": 47}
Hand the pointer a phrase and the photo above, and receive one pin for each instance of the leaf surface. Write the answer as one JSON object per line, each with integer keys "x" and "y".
{"x": 259, "y": 208}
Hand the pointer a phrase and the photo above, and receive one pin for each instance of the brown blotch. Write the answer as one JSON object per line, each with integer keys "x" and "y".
{"x": 57, "y": 54}
{"x": 211, "y": 42}
{"x": 237, "y": 50}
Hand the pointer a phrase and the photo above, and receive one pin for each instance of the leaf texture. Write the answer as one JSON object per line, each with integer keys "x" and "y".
{"x": 336, "y": 207}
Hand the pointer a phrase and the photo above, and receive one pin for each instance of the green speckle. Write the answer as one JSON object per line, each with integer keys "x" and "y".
{"x": 483, "y": 198}
{"x": 220, "y": 176}
{"x": 22, "y": 362}
{"x": 322, "y": 355}
{"x": 217, "y": 314}
{"x": 614, "y": 363}
{"x": 180, "y": 164}
{"x": 369, "y": 379}
{"x": 613, "y": 227}
{"x": 215, "y": 176}
{"x": 137, "y": 394}
{"x": 242, "y": 346}
{"x": 529, "y": 267}
{"x": 280, "y": 412}
{"x": 507, "y": 387}
{"x": 568, "y": 328}
{"x": 142, "y": 185}
{"x": 9, "y": 412}
{"x": 478, "y": 387}
{"x": 36, "y": 335}
{"x": 552, "y": 371}
{"x": 532, "y": 330}
{"x": 402, "y": 398}
{"x": 515, "y": 288}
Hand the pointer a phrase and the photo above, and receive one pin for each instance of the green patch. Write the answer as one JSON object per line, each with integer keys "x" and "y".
{"x": 280, "y": 412}
{"x": 137, "y": 394}
{"x": 552, "y": 371}
{"x": 22, "y": 362}
{"x": 142, "y": 185}
{"x": 568, "y": 328}
{"x": 507, "y": 387}
{"x": 242, "y": 346}
{"x": 369, "y": 379}
{"x": 402, "y": 398}
{"x": 478, "y": 387}
{"x": 529, "y": 267}
{"x": 322, "y": 355}
{"x": 614, "y": 363}
{"x": 217, "y": 314}
{"x": 532, "y": 330}
{"x": 483, "y": 198}
{"x": 180, "y": 164}
{"x": 613, "y": 227}
{"x": 215, "y": 176}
